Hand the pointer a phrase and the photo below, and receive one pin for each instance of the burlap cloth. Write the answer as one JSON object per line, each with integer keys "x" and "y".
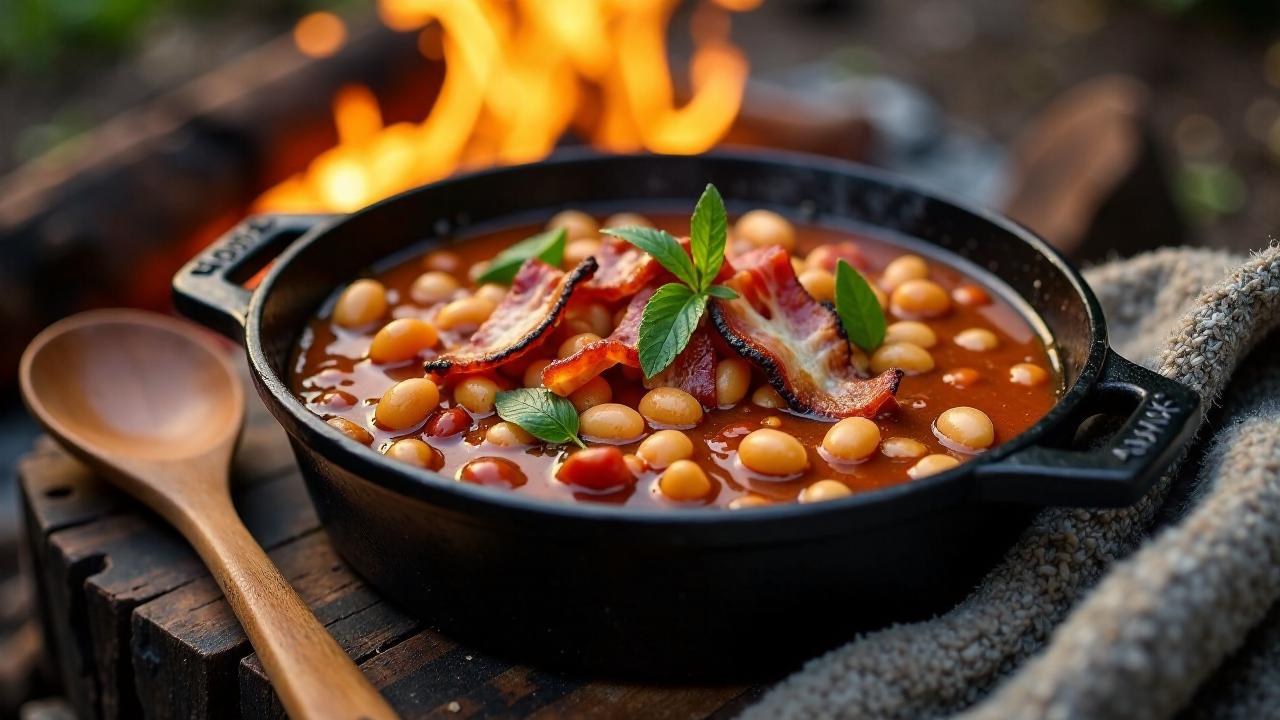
{"x": 1168, "y": 606}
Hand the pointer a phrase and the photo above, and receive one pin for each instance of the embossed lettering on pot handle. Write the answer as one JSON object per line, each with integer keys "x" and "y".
{"x": 210, "y": 288}
{"x": 1117, "y": 473}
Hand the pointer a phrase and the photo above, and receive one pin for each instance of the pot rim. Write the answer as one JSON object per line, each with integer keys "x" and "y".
{"x": 440, "y": 489}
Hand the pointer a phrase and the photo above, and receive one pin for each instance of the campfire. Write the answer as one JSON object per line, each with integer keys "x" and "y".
{"x": 518, "y": 77}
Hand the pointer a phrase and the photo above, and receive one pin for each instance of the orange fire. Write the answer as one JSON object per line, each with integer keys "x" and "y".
{"x": 518, "y": 74}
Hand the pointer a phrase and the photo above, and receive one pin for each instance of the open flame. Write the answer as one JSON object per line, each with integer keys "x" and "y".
{"x": 518, "y": 74}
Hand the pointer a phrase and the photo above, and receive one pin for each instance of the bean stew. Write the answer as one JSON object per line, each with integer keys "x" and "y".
{"x": 766, "y": 402}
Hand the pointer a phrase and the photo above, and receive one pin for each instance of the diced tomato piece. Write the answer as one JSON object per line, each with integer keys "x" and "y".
{"x": 597, "y": 468}
{"x": 492, "y": 471}
{"x": 452, "y": 421}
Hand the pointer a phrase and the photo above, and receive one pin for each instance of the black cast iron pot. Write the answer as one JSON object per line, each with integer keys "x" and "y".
{"x": 683, "y": 593}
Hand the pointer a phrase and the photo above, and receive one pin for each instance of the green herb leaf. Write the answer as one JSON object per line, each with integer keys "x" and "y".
{"x": 663, "y": 247}
{"x": 859, "y": 311}
{"x": 669, "y": 319}
{"x": 542, "y": 413}
{"x": 708, "y": 232}
{"x": 722, "y": 292}
{"x": 547, "y": 247}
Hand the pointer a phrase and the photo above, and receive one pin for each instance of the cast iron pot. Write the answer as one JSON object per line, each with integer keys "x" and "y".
{"x": 683, "y": 593}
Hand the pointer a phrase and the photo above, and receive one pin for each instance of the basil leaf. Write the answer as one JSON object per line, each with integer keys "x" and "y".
{"x": 669, "y": 319}
{"x": 722, "y": 292}
{"x": 547, "y": 247}
{"x": 859, "y": 311}
{"x": 708, "y": 232}
{"x": 663, "y": 247}
{"x": 542, "y": 413}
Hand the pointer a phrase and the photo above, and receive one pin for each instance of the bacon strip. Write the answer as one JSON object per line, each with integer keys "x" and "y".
{"x": 797, "y": 341}
{"x": 624, "y": 270}
{"x": 693, "y": 370}
{"x": 524, "y": 319}
{"x": 564, "y": 376}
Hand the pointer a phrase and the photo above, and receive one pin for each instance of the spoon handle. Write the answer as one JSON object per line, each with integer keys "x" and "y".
{"x": 312, "y": 675}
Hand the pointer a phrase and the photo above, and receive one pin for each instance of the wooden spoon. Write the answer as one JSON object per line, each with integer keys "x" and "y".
{"x": 156, "y": 406}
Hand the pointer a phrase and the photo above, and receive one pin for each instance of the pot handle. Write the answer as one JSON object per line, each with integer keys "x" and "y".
{"x": 1117, "y": 474}
{"x": 210, "y": 288}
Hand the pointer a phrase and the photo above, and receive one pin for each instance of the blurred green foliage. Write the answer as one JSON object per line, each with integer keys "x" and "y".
{"x": 38, "y": 35}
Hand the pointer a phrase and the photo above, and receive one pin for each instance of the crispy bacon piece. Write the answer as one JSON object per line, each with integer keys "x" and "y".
{"x": 564, "y": 376}
{"x": 526, "y": 317}
{"x": 624, "y": 270}
{"x": 798, "y": 342}
{"x": 693, "y": 370}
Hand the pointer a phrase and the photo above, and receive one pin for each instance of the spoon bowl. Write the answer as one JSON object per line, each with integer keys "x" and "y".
{"x": 118, "y": 382}
{"x": 155, "y": 405}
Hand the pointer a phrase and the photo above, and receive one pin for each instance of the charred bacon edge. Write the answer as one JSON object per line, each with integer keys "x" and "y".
{"x": 760, "y": 357}
{"x": 443, "y": 366}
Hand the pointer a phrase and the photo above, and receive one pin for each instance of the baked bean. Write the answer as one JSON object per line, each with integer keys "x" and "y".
{"x": 766, "y": 397}
{"x": 911, "y": 359}
{"x": 919, "y": 298}
{"x": 772, "y": 421}
{"x": 611, "y": 423}
{"x": 881, "y": 297}
{"x": 826, "y": 257}
{"x": 733, "y": 379}
{"x": 748, "y": 501}
{"x": 589, "y": 318}
{"x": 797, "y": 266}
{"x": 665, "y": 447}
{"x": 576, "y": 343}
{"x": 911, "y": 331}
{"x": 961, "y": 377}
{"x": 671, "y": 407}
{"x": 577, "y": 224}
{"x": 977, "y": 339}
{"x": 476, "y": 394}
{"x": 772, "y": 452}
{"x": 351, "y": 430}
{"x": 417, "y": 453}
{"x": 970, "y": 295}
{"x": 507, "y": 434}
{"x": 820, "y": 284}
{"x": 579, "y": 250}
{"x": 533, "y": 374}
{"x": 468, "y": 312}
{"x": 762, "y": 228}
{"x": 824, "y": 490}
{"x": 445, "y": 261}
{"x": 492, "y": 292}
{"x": 931, "y": 465}
{"x": 493, "y": 472}
{"x": 683, "y": 481}
{"x": 363, "y": 302}
{"x": 851, "y": 440}
{"x": 902, "y": 447}
{"x": 626, "y": 219}
{"x": 967, "y": 427}
{"x": 407, "y": 403}
{"x": 635, "y": 464}
{"x": 433, "y": 287}
{"x": 596, "y": 468}
{"x": 1028, "y": 374}
{"x": 595, "y": 392}
{"x": 477, "y": 269}
{"x": 902, "y": 269}
{"x": 401, "y": 340}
